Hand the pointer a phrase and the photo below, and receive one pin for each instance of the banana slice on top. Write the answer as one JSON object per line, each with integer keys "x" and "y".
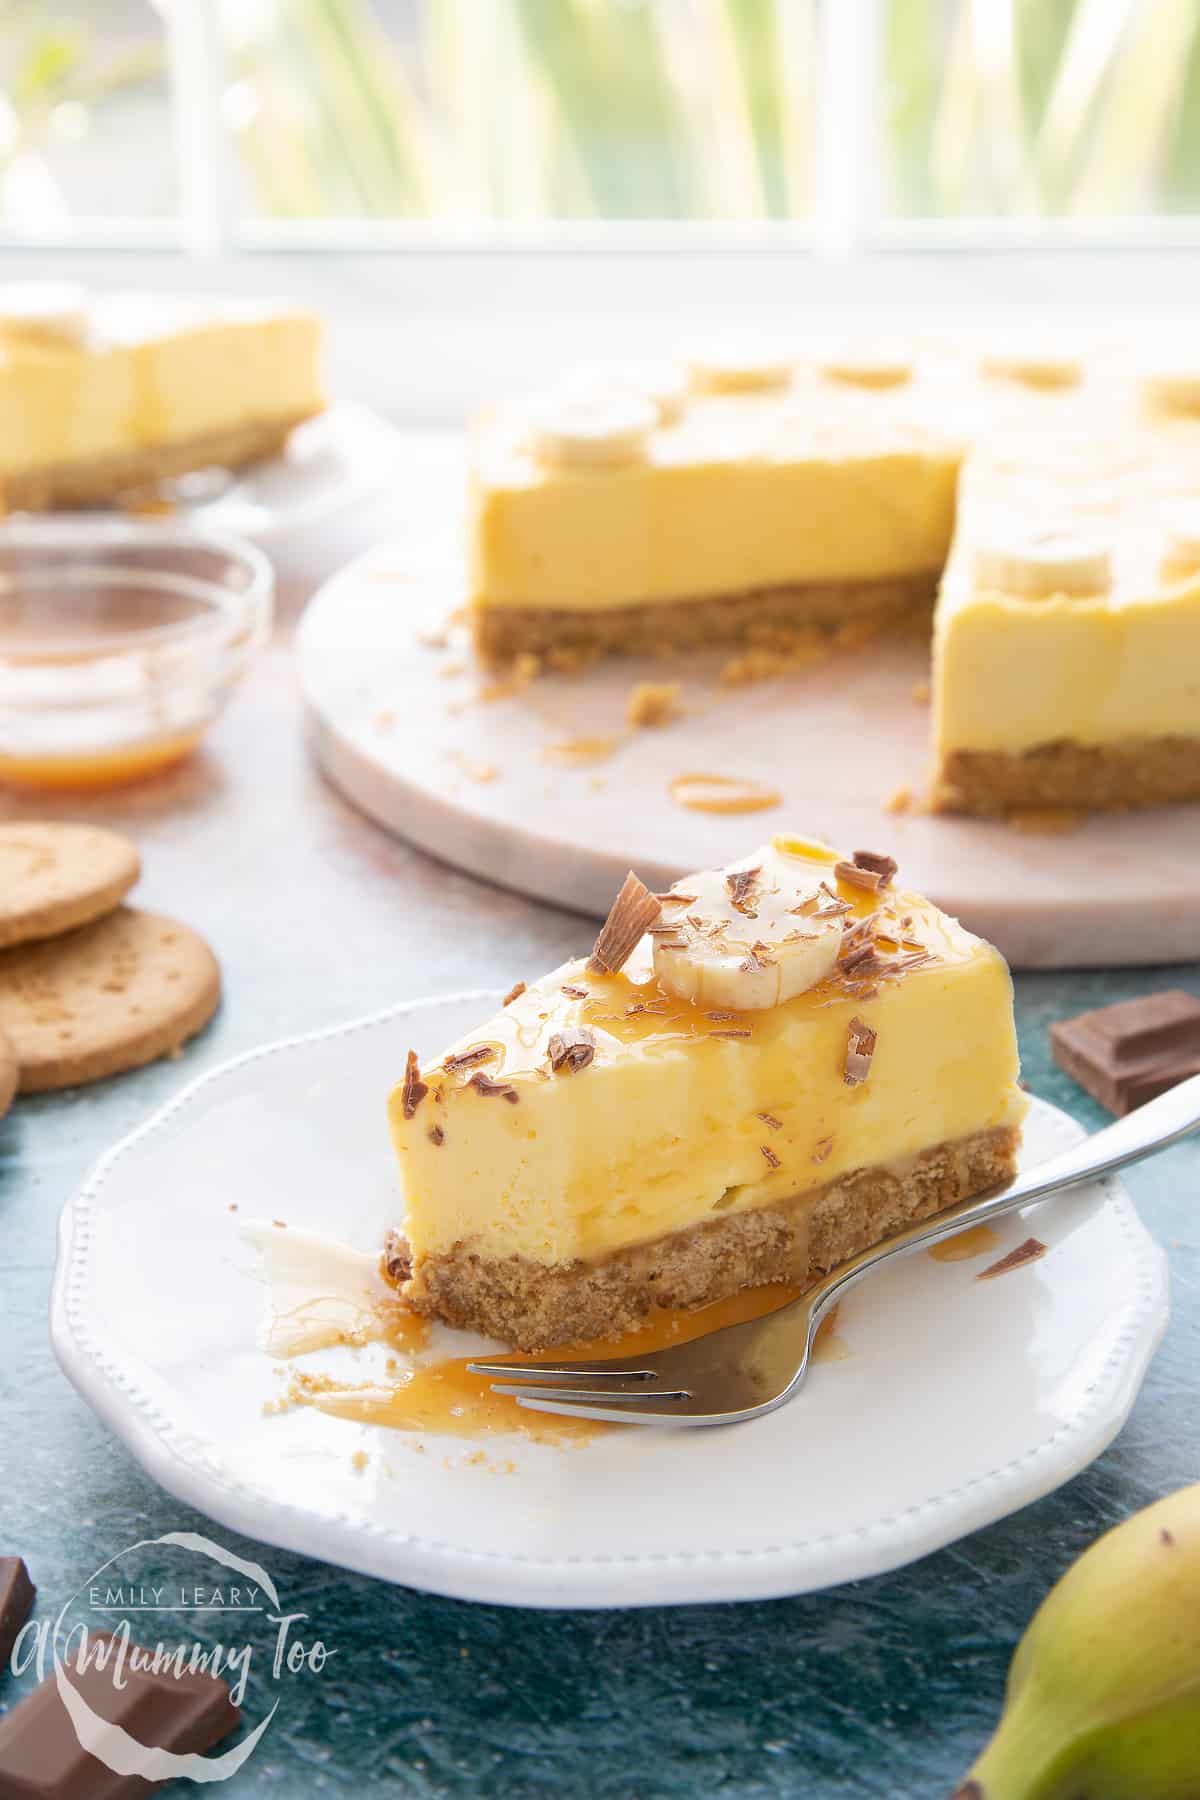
{"x": 869, "y": 365}
{"x": 748, "y": 936}
{"x": 1035, "y": 362}
{"x": 590, "y": 428}
{"x": 53, "y": 311}
{"x": 663, "y": 383}
{"x": 1181, "y": 547}
{"x": 737, "y": 365}
{"x": 1038, "y": 564}
{"x": 1172, "y": 384}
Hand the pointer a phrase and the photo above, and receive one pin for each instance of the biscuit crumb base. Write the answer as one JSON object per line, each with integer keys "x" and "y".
{"x": 766, "y": 617}
{"x": 1103, "y": 777}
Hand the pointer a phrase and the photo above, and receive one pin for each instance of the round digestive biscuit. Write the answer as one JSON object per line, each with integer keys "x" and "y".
{"x": 108, "y": 997}
{"x": 8, "y": 1074}
{"x": 54, "y": 877}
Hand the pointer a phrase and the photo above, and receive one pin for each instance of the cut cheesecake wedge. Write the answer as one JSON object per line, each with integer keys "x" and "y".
{"x": 100, "y": 397}
{"x": 679, "y": 1116}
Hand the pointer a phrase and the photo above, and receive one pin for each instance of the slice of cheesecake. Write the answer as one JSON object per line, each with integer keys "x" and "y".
{"x": 749, "y": 1080}
{"x": 104, "y": 396}
{"x": 1066, "y": 664}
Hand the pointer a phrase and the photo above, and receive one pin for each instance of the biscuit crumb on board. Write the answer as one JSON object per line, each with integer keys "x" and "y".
{"x": 652, "y": 703}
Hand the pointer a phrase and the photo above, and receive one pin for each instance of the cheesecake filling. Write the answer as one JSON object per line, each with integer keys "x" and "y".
{"x": 741, "y": 492}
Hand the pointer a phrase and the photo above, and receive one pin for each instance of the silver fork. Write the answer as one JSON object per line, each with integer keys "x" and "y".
{"x": 743, "y": 1370}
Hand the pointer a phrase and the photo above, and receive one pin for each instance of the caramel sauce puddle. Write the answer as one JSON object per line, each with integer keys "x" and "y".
{"x": 447, "y": 1398}
{"x": 976, "y": 1241}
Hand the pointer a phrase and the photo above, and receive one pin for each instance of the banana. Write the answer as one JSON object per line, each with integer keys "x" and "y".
{"x": 868, "y": 365}
{"x": 1103, "y": 1694}
{"x": 1172, "y": 384}
{"x": 1042, "y": 562}
{"x": 663, "y": 383}
{"x": 577, "y": 428}
{"x": 53, "y": 311}
{"x": 735, "y": 365}
{"x": 1181, "y": 548}
{"x": 1033, "y": 362}
{"x": 746, "y": 937}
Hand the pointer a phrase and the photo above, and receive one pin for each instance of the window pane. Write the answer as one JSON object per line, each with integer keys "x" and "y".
{"x": 85, "y": 126}
{"x": 474, "y": 110}
{"x": 1025, "y": 107}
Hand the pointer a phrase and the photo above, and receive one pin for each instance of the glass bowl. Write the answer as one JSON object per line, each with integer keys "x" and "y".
{"x": 120, "y": 643}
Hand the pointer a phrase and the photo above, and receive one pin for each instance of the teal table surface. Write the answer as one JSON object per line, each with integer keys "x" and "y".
{"x": 886, "y": 1687}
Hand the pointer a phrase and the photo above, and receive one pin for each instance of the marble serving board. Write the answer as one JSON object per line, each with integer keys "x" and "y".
{"x": 546, "y": 789}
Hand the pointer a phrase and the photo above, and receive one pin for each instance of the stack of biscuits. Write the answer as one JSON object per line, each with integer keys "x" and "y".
{"x": 89, "y": 987}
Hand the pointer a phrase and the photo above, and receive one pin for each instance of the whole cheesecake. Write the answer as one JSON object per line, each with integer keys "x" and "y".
{"x": 749, "y": 1080}
{"x": 1045, "y": 496}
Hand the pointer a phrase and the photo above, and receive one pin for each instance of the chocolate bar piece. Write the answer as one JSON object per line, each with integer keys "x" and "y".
{"x": 1126, "y": 1054}
{"x": 42, "y": 1759}
{"x": 16, "y": 1604}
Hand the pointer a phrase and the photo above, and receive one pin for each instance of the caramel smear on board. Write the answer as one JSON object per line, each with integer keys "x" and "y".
{"x": 722, "y": 794}
{"x": 1046, "y": 821}
{"x": 575, "y": 753}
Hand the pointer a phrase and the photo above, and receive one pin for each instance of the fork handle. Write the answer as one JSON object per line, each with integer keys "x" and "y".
{"x": 1152, "y": 1127}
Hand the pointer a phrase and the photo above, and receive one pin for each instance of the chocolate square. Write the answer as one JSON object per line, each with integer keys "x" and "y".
{"x": 1127, "y": 1053}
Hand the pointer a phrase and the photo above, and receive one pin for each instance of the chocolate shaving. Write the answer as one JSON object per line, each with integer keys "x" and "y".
{"x": 514, "y": 993}
{"x": 853, "y": 876}
{"x": 729, "y": 1034}
{"x": 1024, "y": 1253}
{"x": 821, "y": 1149}
{"x": 860, "y": 1048}
{"x": 467, "y": 1059}
{"x": 575, "y": 993}
{"x": 483, "y": 1084}
{"x": 436, "y": 1135}
{"x": 662, "y": 930}
{"x": 771, "y": 1120}
{"x": 771, "y": 1159}
{"x": 720, "y": 1015}
{"x": 677, "y": 899}
{"x": 740, "y": 884}
{"x": 633, "y": 911}
{"x": 397, "y": 1258}
{"x": 571, "y": 1050}
{"x": 861, "y": 960}
{"x": 883, "y": 866}
{"x": 414, "y": 1089}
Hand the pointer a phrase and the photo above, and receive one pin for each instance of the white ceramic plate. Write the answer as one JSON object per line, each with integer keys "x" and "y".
{"x": 339, "y": 460}
{"x": 959, "y": 1402}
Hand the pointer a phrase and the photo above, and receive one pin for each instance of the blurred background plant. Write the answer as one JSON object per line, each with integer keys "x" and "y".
{"x": 522, "y": 110}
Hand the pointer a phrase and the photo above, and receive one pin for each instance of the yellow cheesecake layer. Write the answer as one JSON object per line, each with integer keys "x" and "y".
{"x": 743, "y": 491}
{"x": 665, "y": 1127}
{"x": 1012, "y": 673}
{"x": 151, "y": 373}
